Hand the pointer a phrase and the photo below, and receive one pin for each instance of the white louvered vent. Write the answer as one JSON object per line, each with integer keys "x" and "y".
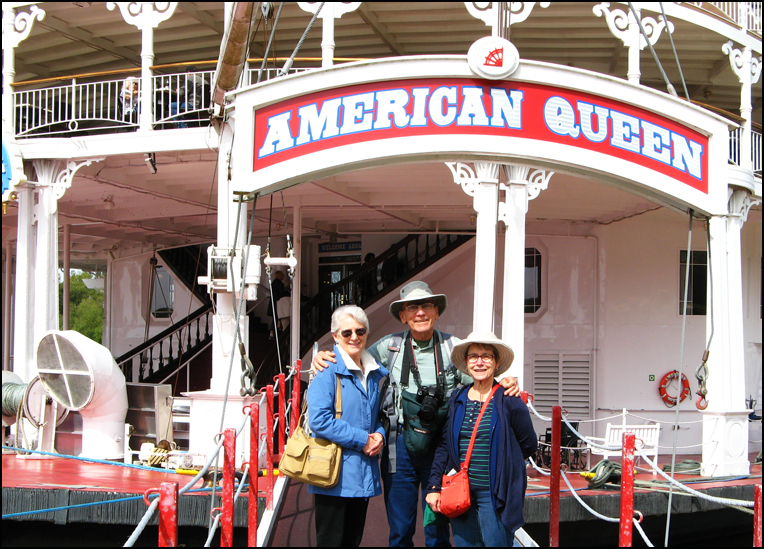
{"x": 563, "y": 378}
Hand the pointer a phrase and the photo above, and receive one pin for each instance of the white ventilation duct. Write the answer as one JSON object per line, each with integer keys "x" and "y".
{"x": 82, "y": 375}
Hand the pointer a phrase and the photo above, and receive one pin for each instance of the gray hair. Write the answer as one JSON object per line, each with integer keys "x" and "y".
{"x": 353, "y": 311}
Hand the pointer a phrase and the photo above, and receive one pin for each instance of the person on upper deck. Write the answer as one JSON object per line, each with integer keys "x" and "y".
{"x": 505, "y": 439}
{"x": 340, "y": 511}
{"x": 423, "y": 353}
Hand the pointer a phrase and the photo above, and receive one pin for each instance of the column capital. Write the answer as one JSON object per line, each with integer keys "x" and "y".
{"x": 740, "y": 203}
{"x": 517, "y": 13}
{"x": 619, "y": 22}
{"x": 739, "y": 61}
{"x": 529, "y": 184}
{"x": 137, "y": 14}
{"x": 51, "y": 173}
{"x": 335, "y": 10}
{"x": 17, "y": 26}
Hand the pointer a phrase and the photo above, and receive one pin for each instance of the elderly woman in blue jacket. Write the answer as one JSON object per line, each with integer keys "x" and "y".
{"x": 505, "y": 438}
{"x": 341, "y": 510}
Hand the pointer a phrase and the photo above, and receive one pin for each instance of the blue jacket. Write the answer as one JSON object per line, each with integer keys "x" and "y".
{"x": 512, "y": 441}
{"x": 359, "y": 475}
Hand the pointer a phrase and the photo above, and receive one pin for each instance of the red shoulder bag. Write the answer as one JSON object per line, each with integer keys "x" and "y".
{"x": 455, "y": 493}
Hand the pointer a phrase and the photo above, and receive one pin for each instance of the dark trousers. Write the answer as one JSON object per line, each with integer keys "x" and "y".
{"x": 339, "y": 521}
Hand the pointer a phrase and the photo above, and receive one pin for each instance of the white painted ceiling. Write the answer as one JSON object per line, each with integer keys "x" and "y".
{"x": 177, "y": 205}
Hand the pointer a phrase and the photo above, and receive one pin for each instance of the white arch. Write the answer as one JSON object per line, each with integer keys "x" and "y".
{"x": 668, "y": 137}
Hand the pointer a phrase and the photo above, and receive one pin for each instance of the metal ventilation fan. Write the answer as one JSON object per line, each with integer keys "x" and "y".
{"x": 82, "y": 375}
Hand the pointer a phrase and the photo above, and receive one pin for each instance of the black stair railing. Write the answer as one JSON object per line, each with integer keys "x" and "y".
{"x": 374, "y": 280}
{"x": 165, "y": 352}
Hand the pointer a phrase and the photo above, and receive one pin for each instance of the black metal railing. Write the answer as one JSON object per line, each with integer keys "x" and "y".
{"x": 167, "y": 351}
{"x": 374, "y": 280}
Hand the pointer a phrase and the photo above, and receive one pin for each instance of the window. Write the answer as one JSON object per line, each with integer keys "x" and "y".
{"x": 163, "y": 295}
{"x": 696, "y": 294}
{"x": 532, "y": 280}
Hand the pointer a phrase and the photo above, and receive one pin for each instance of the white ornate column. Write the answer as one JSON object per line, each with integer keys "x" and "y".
{"x": 748, "y": 70}
{"x": 146, "y": 16}
{"x": 36, "y": 306}
{"x": 522, "y": 186}
{"x": 725, "y": 421}
{"x": 482, "y": 183}
{"x": 329, "y": 12}
{"x": 624, "y": 27}
{"x": 16, "y": 27}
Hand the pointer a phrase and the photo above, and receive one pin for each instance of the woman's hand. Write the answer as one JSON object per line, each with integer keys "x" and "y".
{"x": 374, "y": 444}
{"x": 433, "y": 500}
{"x": 321, "y": 361}
{"x": 510, "y": 384}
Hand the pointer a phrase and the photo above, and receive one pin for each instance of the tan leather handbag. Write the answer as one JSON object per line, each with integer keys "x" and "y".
{"x": 316, "y": 461}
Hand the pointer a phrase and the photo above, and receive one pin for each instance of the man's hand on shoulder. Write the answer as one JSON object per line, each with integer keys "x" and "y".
{"x": 510, "y": 385}
{"x": 321, "y": 361}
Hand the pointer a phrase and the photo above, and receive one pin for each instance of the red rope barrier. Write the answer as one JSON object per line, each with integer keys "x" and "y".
{"x": 229, "y": 476}
{"x": 295, "y": 415}
{"x": 281, "y": 384}
{"x": 254, "y": 439}
{"x": 168, "y": 514}
{"x": 627, "y": 491}
{"x": 757, "y": 516}
{"x": 554, "y": 484}
{"x": 269, "y": 444}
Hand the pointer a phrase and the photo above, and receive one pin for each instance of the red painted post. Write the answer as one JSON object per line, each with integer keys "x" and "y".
{"x": 254, "y": 454}
{"x": 524, "y": 396}
{"x": 554, "y": 482}
{"x": 229, "y": 475}
{"x": 282, "y": 414}
{"x": 757, "y": 515}
{"x": 295, "y": 414}
{"x": 269, "y": 445}
{"x": 627, "y": 491}
{"x": 168, "y": 514}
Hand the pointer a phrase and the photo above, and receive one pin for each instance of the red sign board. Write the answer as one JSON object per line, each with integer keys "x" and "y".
{"x": 463, "y": 107}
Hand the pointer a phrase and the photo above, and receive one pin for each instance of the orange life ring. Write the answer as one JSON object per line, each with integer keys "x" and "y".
{"x": 667, "y": 398}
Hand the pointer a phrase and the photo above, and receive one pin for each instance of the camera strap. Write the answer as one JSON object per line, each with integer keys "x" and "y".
{"x": 409, "y": 363}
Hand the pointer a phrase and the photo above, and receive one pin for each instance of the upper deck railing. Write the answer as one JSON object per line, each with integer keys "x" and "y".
{"x": 80, "y": 108}
{"x": 741, "y": 13}
{"x": 180, "y": 100}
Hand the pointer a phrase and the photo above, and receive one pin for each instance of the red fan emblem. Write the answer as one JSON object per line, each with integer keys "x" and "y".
{"x": 495, "y": 58}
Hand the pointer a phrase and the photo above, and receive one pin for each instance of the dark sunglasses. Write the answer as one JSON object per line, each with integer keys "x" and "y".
{"x": 360, "y": 332}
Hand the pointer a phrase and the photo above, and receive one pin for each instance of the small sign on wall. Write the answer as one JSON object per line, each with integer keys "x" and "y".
{"x": 651, "y": 377}
{"x": 330, "y": 247}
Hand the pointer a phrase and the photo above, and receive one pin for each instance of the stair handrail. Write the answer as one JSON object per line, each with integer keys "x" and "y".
{"x": 163, "y": 334}
{"x": 308, "y": 336}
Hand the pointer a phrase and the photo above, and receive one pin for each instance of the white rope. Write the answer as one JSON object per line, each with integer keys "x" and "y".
{"x": 667, "y": 422}
{"x": 722, "y": 501}
{"x": 235, "y": 499}
{"x": 533, "y": 409}
{"x": 601, "y": 516}
{"x": 539, "y": 469}
{"x": 150, "y": 511}
{"x": 588, "y": 441}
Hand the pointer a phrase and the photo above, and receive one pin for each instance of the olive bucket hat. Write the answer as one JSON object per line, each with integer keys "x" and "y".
{"x": 417, "y": 291}
{"x": 503, "y": 361}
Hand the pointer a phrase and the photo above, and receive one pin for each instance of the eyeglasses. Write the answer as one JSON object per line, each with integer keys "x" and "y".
{"x": 360, "y": 332}
{"x": 427, "y": 307}
{"x": 487, "y": 358}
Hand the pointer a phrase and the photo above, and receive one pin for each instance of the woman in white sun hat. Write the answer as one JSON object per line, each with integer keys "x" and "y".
{"x": 505, "y": 438}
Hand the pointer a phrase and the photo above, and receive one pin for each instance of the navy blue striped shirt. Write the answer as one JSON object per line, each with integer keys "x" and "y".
{"x": 479, "y": 462}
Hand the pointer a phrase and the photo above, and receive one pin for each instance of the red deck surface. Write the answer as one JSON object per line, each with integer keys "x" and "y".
{"x": 57, "y": 473}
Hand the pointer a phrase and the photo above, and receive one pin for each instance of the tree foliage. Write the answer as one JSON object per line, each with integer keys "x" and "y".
{"x": 85, "y": 306}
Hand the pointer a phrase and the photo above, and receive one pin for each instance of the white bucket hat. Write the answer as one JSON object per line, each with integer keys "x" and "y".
{"x": 417, "y": 291}
{"x": 503, "y": 361}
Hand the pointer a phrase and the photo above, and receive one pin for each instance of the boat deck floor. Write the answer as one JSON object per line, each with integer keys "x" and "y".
{"x": 42, "y": 483}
